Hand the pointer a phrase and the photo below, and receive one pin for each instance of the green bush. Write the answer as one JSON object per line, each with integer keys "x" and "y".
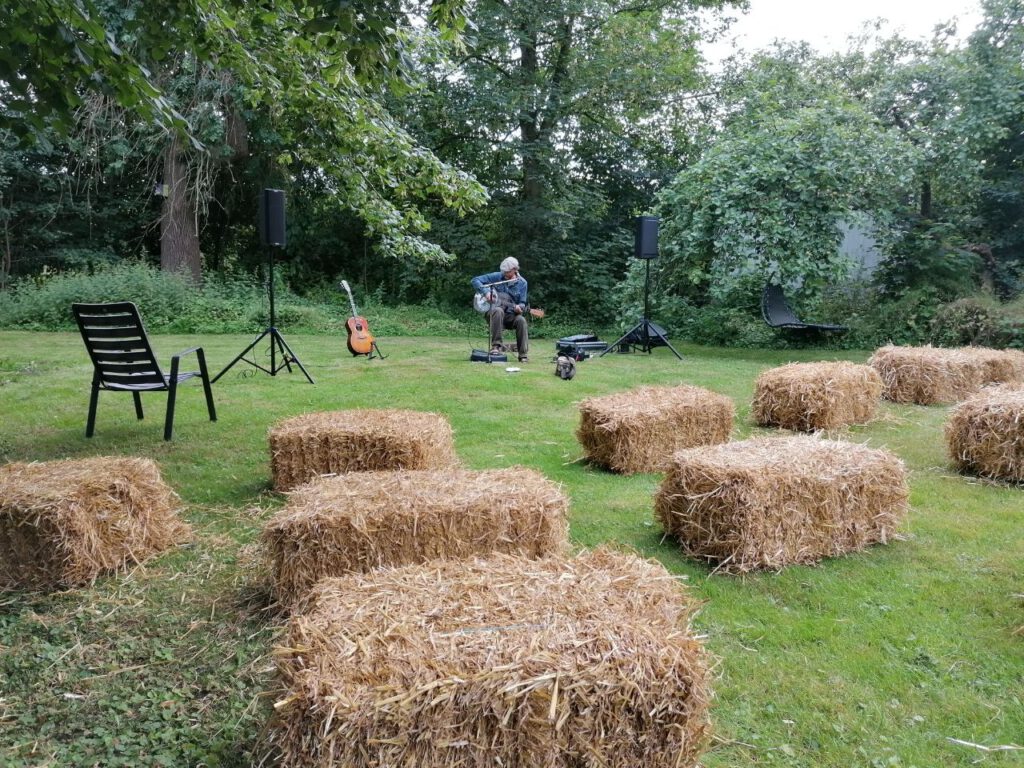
{"x": 231, "y": 304}
{"x": 43, "y": 302}
{"x": 919, "y": 316}
{"x": 296, "y": 316}
{"x": 966, "y": 321}
{"x": 718, "y": 325}
{"x": 1012, "y": 322}
{"x": 904, "y": 319}
{"x": 226, "y": 304}
{"x": 168, "y": 302}
{"x": 731, "y": 319}
{"x": 205, "y": 315}
{"x": 979, "y": 320}
{"x": 928, "y": 257}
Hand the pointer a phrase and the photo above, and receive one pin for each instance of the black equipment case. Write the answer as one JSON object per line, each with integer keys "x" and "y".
{"x": 580, "y": 346}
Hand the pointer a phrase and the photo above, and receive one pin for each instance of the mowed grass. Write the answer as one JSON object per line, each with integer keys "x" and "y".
{"x": 889, "y": 657}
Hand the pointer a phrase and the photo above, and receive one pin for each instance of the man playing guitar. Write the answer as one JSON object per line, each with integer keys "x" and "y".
{"x": 505, "y": 291}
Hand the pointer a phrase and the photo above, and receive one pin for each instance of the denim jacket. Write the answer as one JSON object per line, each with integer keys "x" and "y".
{"x": 516, "y": 291}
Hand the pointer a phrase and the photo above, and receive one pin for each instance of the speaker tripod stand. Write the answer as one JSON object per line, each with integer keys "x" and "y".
{"x": 645, "y": 335}
{"x": 278, "y": 346}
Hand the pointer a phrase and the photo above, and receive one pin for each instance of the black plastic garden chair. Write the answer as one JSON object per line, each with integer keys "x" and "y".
{"x": 123, "y": 360}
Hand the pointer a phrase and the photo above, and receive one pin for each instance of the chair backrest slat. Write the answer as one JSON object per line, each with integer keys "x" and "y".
{"x": 99, "y": 318}
{"x": 120, "y": 356}
{"x": 117, "y": 344}
{"x": 111, "y": 332}
{"x": 120, "y": 346}
{"x": 144, "y": 378}
{"x": 128, "y": 368}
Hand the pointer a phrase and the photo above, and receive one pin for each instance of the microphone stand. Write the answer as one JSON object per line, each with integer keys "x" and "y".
{"x": 488, "y": 301}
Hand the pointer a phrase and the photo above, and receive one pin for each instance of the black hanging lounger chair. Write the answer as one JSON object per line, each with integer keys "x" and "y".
{"x": 778, "y": 314}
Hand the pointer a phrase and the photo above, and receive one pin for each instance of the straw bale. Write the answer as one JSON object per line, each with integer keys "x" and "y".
{"x": 985, "y": 433}
{"x": 638, "y": 430}
{"x": 366, "y": 520}
{"x": 772, "y": 502}
{"x": 63, "y": 523}
{"x": 361, "y": 440}
{"x": 927, "y": 375}
{"x": 810, "y": 396}
{"x": 999, "y": 366}
{"x": 503, "y": 661}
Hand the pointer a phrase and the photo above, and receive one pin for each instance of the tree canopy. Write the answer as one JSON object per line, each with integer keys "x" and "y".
{"x": 572, "y": 112}
{"x": 916, "y": 140}
{"x": 476, "y": 129}
{"x": 794, "y": 161}
{"x": 315, "y": 71}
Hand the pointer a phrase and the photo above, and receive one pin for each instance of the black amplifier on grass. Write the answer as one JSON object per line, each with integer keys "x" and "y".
{"x": 483, "y": 356}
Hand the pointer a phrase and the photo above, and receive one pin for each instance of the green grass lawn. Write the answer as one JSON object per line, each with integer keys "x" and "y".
{"x": 882, "y": 658}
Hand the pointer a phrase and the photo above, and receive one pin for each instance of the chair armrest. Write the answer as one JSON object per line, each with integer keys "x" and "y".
{"x": 176, "y": 360}
{"x": 188, "y": 351}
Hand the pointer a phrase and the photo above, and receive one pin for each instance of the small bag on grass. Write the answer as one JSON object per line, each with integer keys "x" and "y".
{"x": 771, "y": 502}
{"x": 360, "y": 440}
{"x": 366, "y": 520}
{"x": 985, "y": 434}
{"x": 64, "y": 523}
{"x": 503, "y": 661}
{"x": 927, "y": 375}
{"x": 638, "y": 430}
{"x": 809, "y": 396}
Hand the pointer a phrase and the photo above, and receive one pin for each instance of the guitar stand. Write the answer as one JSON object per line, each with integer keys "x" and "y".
{"x": 277, "y": 344}
{"x": 370, "y": 355}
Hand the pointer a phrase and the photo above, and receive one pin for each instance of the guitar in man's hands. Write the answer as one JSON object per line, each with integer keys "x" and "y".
{"x": 483, "y": 302}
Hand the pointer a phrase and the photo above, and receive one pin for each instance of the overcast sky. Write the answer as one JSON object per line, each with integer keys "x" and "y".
{"x": 826, "y": 24}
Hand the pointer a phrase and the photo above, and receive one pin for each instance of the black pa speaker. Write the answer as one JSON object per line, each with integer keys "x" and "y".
{"x": 272, "y": 217}
{"x": 646, "y": 237}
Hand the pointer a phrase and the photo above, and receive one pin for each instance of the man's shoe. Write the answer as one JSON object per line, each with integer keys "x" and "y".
{"x": 496, "y": 351}
{"x": 524, "y": 359}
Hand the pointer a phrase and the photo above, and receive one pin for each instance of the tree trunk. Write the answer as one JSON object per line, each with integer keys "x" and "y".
{"x": 530, "y": 134}
{"x": 179, "y": 233}
{"x": 236, "y": 131}
{"x": 5, "y": 250}
{"x": 988, "y": 268}
{"x": 926, "y": 199}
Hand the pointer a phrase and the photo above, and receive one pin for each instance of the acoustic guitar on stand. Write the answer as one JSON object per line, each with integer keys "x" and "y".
{"x": 360, "y": 340}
